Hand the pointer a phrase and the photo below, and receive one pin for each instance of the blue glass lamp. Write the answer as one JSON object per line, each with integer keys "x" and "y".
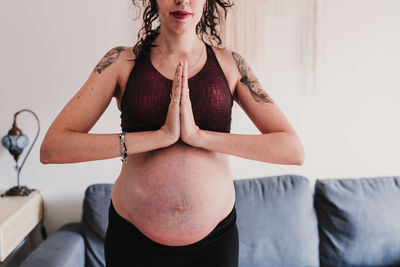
{"x": 15, "y": 141}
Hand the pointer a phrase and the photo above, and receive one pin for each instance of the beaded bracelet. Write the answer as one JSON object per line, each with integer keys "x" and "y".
{"x": 124, "y": 151}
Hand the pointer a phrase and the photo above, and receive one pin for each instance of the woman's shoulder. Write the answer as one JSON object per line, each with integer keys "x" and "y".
{"x": 225, "y": 56}
{"x": 221, "y": 50}
{"x": 126, "y": 61}
{"x": 126, "y": 58}
{"x": 225, "y": 53}
{"x": 118, "y": 56}
{"x": 126, "y": 54}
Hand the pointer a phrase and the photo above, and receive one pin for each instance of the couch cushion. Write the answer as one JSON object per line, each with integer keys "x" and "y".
{"x": 276, "y": 221}
{"x": 359, "y": 221}
{"x": 95, "y": 222}
{"x": 64, "y": 248}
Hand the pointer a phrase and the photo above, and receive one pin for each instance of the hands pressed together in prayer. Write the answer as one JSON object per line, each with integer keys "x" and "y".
{"x": 179, "y": 122}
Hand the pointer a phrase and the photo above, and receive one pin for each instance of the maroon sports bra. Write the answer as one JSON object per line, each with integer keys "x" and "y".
{"x": 145, "y": 102}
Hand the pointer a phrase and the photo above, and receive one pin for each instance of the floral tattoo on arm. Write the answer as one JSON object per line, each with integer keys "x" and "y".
{"x": 249, "y": 79}
{"x": 109, "y": 59}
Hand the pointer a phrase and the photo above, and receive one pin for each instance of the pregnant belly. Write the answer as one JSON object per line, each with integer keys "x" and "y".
{"x": 175, "y": 196}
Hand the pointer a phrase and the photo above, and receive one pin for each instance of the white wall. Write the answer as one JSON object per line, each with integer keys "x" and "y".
{"x": 348, "y": 123}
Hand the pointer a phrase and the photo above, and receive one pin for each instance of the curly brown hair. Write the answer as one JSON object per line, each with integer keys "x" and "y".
{"x": 206, "y": 27}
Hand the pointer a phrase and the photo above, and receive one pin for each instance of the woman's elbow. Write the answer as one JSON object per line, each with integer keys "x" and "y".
{"x": 44, "y": 154}
{"x": 47, "y": 151}
{"x": 300, "y": 154}
{"x": 296, "y": 150}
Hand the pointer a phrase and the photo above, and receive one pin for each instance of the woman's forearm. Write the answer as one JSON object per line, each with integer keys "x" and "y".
{"x": 71, "y": 147}
{"x": 277, "y": 147}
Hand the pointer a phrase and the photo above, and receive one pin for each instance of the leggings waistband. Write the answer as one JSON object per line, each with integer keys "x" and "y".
{"x": 130, "y": 231}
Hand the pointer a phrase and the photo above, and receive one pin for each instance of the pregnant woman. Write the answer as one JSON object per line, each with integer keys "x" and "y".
{"x": 173, "y": 203}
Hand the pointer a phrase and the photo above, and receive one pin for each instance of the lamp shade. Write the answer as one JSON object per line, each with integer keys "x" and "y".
{"x": 15, "y": 144}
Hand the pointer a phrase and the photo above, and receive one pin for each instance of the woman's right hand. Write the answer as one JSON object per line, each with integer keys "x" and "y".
{"x": 171, "y": 126}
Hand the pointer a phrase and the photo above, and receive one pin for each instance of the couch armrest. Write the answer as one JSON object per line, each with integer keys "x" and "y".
{"x": 64, "y": 248}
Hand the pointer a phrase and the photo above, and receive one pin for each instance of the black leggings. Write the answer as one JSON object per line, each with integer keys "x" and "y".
{"x": 126, "y": 246}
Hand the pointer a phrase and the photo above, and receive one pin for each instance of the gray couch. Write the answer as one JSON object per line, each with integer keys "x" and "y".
{"x": 281, "y": 220}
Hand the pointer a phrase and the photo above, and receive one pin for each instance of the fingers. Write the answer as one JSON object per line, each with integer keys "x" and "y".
{"x": 185, "y": 86}
{"x": 176, "y": 86}
{"x": 185, "y": 75}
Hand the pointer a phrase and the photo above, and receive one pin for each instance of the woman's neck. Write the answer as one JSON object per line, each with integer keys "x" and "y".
{"x": 181, "y": 46}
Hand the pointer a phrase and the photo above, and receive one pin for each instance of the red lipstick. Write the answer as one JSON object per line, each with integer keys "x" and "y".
{"x": 181, "y": 14}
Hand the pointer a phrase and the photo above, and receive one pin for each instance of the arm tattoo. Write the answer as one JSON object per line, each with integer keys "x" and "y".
{"x": 109, "y": 59}
{"x": 250, "y": 80}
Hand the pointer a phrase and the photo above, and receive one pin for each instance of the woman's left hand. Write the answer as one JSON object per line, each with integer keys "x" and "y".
{"x": 189, "y": 130}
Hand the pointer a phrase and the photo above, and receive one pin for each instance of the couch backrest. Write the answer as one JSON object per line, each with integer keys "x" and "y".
{"x": 359, "y": 221}
{"x": 275, "y": 216}
{"x": 95, "y": 222}
{"x": 276, "y": 221}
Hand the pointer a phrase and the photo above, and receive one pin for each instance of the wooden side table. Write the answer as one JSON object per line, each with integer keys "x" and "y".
{"x": 19, "y": 215}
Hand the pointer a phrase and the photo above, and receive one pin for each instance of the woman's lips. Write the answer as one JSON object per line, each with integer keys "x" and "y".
{"x": 180, "y": 16}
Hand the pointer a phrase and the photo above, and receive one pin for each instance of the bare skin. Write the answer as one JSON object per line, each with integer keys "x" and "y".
{"x": 109, "y": 58}
{"x": 249, "y": 79}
